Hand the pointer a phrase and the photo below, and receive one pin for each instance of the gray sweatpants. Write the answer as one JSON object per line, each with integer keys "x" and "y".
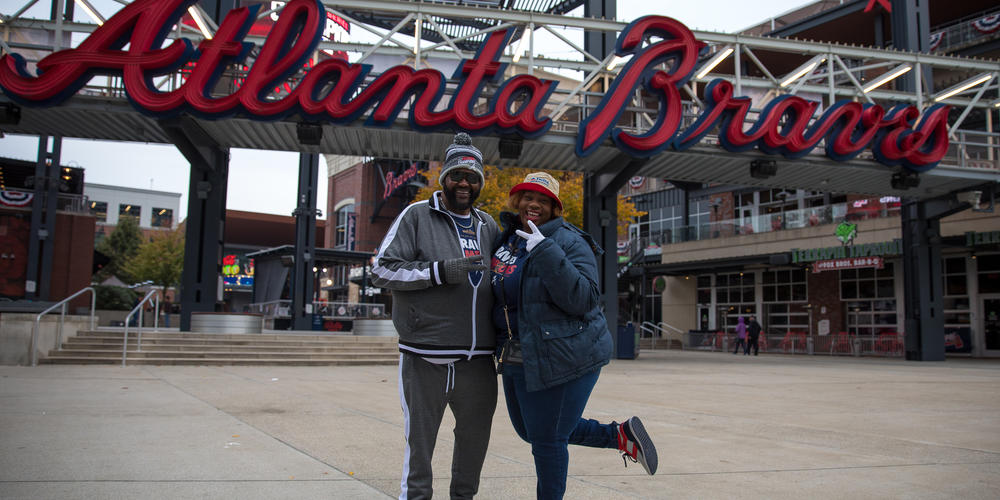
{"x": 470, "y": 388}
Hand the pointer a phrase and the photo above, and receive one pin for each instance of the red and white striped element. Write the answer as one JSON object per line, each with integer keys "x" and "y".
{"x": 15, "y": 198}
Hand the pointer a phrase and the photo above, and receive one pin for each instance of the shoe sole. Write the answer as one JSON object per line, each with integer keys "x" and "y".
{"x": 648, "y": 457}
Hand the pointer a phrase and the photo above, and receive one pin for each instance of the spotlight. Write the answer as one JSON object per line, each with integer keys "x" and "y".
{"x": 905, "y": 180}
{"x": 309, "y": 134}
{"x": 510, "y": 147}
{"x": 763, "y": 169}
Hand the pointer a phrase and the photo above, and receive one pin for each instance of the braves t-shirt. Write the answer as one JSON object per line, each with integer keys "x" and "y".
{"x": 467, "y": 238}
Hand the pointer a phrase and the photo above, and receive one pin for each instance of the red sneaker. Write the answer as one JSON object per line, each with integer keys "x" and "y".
{"x": 635, "y": 445}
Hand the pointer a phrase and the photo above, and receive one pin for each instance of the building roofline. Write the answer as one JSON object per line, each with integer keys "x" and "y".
{"x": 130, "y": 189}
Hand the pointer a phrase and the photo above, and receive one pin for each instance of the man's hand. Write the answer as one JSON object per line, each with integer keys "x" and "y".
{"x": 533, "y": 238}
{"x": 458, "y": 269}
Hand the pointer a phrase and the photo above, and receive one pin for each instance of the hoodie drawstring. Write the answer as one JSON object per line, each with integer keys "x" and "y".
{"x": 449, "y": 381}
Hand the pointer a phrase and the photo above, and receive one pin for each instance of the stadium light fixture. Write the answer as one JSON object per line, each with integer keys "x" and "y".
{"x": 887, "y": 77}
{"x": 803, "y": 70}
{"x": 963, "y": 86}
{"x": 712, "y": 63}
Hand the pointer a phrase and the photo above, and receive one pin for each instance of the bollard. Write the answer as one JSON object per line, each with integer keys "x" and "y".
{"x": 856, "y": 345}
{"x": 809, "y": 345}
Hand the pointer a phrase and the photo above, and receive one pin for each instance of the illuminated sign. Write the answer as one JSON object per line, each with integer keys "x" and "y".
{"x": 237, "y": 271}
{"x": 393, "y": 181}
{"x": 336, "y": 91}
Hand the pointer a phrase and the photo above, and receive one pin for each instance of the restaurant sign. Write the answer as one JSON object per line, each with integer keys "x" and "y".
{"x": 973, "y": 238}
{"x": 883, "y": 248}
{"x": 838, "y": 264}
{"x": 132, "y": 45}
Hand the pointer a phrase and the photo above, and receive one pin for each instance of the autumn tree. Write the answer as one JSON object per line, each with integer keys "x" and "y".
{"x": 493, "y": 197}
{"x": 160, "y": 260}
{"x": 120, "y": 246}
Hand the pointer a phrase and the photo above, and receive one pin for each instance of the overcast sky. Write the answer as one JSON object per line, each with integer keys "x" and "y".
{"x": 266, "y": 181}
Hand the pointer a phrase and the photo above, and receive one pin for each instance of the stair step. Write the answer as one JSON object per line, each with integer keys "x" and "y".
{"x": 216, "y": 354}
{"x": 218, "y": 347}
{"x": 220, "y": 361}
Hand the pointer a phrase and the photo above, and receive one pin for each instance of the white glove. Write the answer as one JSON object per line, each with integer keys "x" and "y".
{"x": 534, "y": 238}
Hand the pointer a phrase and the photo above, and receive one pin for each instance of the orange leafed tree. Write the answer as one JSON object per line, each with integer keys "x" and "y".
{"x": 493, "y": 197}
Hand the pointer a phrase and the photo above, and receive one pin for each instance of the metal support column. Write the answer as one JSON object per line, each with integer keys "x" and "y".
{"x": 910, "y": 21}
{"x": 922, "y": 282}
{"x": 43, "y": 219}
{"x": 201, "y": 281}
{"x": 303, "y": 277}
{"x": 600, "y": 220}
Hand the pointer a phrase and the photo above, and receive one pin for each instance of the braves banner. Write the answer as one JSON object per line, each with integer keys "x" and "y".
{"x": 132, "y": 45}
{"x": 15, "y": 198}
{"x": 987, "y": 24}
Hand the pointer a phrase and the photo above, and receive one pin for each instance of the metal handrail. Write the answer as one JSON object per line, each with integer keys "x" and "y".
{"x": 62, "y": 318}
{"x": 645, "y": 326}
{"x": 156, "y": 323}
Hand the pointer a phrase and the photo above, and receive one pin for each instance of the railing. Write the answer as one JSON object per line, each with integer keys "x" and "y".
{"x": 795, "y": 219}
{"x": 662, "y": 329}
{"x": 151, "y": 297}
{"x": 884, "y": 343}
{"x": 62, "y": 317}
{"x": 960, "y": 34}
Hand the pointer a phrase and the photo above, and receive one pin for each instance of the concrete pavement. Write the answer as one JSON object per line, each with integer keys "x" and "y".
{"x": 768, "y": 427}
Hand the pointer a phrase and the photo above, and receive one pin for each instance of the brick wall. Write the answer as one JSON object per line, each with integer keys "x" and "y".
{"x": 824, "y": 291}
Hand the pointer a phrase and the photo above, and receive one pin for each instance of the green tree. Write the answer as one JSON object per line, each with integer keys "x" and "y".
{"x": 160, "y": 260}
{"x": 493, "y": 197}
{"x": 120, "y": 246}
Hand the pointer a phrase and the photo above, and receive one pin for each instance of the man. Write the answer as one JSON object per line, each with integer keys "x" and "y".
{"x": 753, "y": 329}
{"x": 432, "y": 259}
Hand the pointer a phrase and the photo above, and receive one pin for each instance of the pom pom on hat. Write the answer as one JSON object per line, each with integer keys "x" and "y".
{"x": 462, "y": 154}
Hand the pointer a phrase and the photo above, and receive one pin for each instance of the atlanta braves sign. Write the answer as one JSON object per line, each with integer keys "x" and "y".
{"x": 334, "y": 90}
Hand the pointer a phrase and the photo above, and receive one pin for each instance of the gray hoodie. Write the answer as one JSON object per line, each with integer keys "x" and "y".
{"x": 435, "y": 319}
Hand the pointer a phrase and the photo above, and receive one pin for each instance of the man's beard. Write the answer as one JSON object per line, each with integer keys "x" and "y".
{"x": 453, "y": 202}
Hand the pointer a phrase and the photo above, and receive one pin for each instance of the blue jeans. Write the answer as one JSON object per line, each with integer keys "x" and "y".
{"x": 550, "y": 420}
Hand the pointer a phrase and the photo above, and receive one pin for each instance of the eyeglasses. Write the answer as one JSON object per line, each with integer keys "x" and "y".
{"x": 456, "y": 176}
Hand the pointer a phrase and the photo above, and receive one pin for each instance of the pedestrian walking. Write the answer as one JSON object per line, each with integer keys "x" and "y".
{"x": 741, "y": 337}
{"x": 753, "y": 332}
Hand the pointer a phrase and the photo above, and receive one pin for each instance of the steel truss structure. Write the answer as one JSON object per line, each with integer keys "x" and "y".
{"x": 764, "y": 69}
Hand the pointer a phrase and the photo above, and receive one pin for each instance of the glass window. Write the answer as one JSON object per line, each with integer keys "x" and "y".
{"x": 99, "y": 209}
{"x": 344, "y": 216}
{"x": 162, "y": 217}
{"x": 126, "y": 211}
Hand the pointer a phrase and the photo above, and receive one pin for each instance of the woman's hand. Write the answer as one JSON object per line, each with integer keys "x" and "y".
{"x": 533, "y": 238}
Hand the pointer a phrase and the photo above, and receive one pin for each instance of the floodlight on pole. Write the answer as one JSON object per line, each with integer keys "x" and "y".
{"x": 887, "y": 77}
{"x": 803, "y": 70}
{"x": 712, "y": 63}
{"x": 963, "y": 86}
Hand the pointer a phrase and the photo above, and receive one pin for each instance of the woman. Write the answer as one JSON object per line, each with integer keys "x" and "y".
{"x": 741, "y": 337}
{"x": 553, "y": 338}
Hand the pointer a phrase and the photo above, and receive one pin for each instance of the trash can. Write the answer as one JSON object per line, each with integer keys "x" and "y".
{"x": 627, "y": 342}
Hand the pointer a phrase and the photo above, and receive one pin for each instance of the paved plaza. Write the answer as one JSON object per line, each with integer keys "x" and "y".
{"x": 767, "y": 427}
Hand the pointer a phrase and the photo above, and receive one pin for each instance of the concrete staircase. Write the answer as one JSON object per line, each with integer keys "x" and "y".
{"x": 189, "y": 348}
{"x": 646, "y": 344}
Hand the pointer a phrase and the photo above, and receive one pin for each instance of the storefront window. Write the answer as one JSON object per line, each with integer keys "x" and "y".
{"x": 869, "y": 298}
{"x": 785, "y": 294}
{"x": 989, "y": 273}
{"x": 734, "y": 297}
{"x": 162, "y": 217}
{"x": 99, "y": 209}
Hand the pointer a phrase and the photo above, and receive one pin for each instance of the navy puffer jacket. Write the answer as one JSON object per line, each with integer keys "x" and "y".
{"x": 562, "y": 328}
